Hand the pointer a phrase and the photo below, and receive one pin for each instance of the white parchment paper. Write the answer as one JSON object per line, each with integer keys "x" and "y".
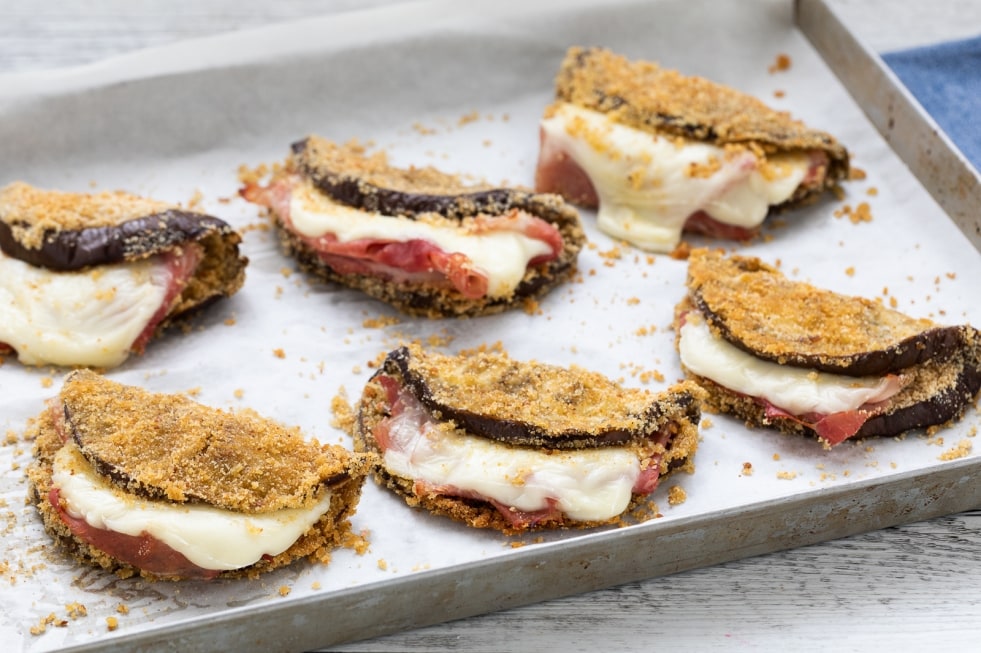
{"x": 461, "y": 89}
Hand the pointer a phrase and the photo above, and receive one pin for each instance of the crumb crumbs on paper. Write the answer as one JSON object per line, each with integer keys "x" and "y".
{"x": 112, "y": 623}
{"x": 383, "y": 564}
{"x": 284, "y": 590}
{"x": 747, "y": 469}
{"x": 342, "y": 412}
{"x": 781, "y": 63}
{"x": 862, "y": 212}
{"x": 676, "y": 495}
{"x": 786, "y": 476}
{"x": 380, "y": 322}
{"x": 196, "y": 198}
{"x": 279, "y": 353}
{"x": 960, "y": 450}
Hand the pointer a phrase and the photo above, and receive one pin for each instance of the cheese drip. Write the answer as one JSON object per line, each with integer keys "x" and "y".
{"x": 586, "y": 485}
{"x": 500, "y": 255}
{"x": 648, "y": 185}
{"x": 90, "y": 317}
{"x": 211, "y": 538}
{"x": 796, "y": 390}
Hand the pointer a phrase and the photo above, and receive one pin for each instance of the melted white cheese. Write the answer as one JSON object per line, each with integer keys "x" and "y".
{"x": 795, "y": 390}
{"x": 584, "y": 484}
{"x": 502, "y": 256}
{"x": 209, "y": 537}
{"x": 89, "y": 318}
{"x": 643, "y": 184}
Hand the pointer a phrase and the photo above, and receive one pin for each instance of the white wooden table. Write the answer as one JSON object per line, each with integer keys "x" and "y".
{"x": 913, "y": 587}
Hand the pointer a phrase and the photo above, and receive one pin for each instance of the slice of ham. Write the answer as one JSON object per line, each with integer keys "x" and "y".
{"x": 557, "y": 172}
{"x": 180, "y": 265}
{"x": 140, "y": 551}
{"x": 412, "y": 261}
{"x": 833, "y": 428}
{"x": 404, "y": 407}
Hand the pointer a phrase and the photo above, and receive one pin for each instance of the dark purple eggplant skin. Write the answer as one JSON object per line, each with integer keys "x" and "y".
{"x": 514, "y": 432}
{"x": 356, "y": 193}
{"x": 942, "y": 407}
{"x": 939, "y": 343}
{"x": 69, "y": 250}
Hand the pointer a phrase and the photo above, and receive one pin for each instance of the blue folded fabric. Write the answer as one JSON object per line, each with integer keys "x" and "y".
{"x": 946, "y": 79}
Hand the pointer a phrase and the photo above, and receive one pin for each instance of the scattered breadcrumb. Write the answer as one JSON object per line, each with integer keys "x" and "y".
{"x": 747, "y": 469}
{"x": 707, "y": 423}
{"x": 872, "y": 191}
{"x": 380, "y": 322}
{"x": 196, "y": 199}
{"x": 776, "y": 456}
{"x": 284, "y": 590}
{"x": 681, "y": 251}
{"x": 861, "y": 213}
{"x": 342, "y": 411}
{"x": 112, "y": 623}
{"x": 856, "y": 173}
{"x": 787, "y": 476}
{"x": 46, "y": 381}
{"x": 850, "y": 270}
{"x": 122, "y": 608}
{"x": 779, "y": 94}
{"x": 383, "y": 564}
{"x": 960, "y": 450}
{"x": 279, "y": 353}
{"x": 780, "y": 64}
{"x": 239, "y": 393}
{"x": 468, "y": 118}
{"x": 676, "y": 495}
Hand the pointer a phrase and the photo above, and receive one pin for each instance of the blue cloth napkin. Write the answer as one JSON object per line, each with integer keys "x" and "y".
{"x": 946, "y": 79}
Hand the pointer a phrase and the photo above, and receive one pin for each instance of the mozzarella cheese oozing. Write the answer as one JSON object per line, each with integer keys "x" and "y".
{"x": 648, "y": 185}
{"x": 500, "y": 255}
{"x": 211, "y": 538}
{"x": 586, "y": 485}
{"x": 90, "y": 317}
{"x": 797, "y": 391}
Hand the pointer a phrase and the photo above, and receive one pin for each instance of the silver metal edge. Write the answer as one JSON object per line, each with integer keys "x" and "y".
{"x": 548, "y": 571}
{"x": 910, "y": 131}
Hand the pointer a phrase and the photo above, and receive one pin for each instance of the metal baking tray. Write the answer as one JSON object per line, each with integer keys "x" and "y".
{"x": 462, "y": 87}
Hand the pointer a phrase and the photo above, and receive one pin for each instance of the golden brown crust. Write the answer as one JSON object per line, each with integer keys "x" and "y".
{"x": 165, "y": 445}
{"x": 351, "y": 176}
{"x": 672, "y": 415}
{"x": 168, "y": 446}
{"x": 756, "y": 308}
{"x": 33, "y": 212}
{"x": 643, "y": 95}
{"x": 752, "y": 306}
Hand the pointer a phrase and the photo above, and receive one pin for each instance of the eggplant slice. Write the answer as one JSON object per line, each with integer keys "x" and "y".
{"x": 643, "y": 95}
{"x": 524, "y": 405}
{"x": 348, "y": 176}
{"x": 68, "y": 232}
{"x": 752, "y": 306}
